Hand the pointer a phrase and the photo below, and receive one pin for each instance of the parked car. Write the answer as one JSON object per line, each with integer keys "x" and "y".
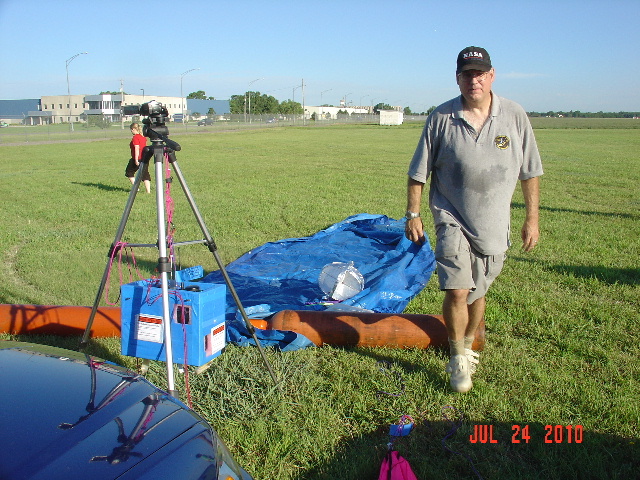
{"x": 67, "y": 415}
{"x": 3, "y": 124}
{"x": 205, "y": 121}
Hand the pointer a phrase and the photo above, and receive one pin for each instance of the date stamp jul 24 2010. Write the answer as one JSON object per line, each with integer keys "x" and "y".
{"x": 522, "y": 434}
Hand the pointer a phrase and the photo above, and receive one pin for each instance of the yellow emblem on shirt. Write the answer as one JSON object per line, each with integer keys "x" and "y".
{"x": 502, "y": 142}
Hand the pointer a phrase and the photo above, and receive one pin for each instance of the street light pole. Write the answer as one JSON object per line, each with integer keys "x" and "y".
{"x": 142, "y": 94}
{"x": 181, "y": 96}
{"x": 303, "y": 116}
{"x": 69, "y": 60}
{"x": 251, "y": 83}
{"x": 345, "y": 99}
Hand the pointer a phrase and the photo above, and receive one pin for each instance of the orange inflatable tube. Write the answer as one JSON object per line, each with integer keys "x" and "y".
{"x": 58, "y": 320}
{"x": 355, "y": 329}
{"x": 65, "y": 320}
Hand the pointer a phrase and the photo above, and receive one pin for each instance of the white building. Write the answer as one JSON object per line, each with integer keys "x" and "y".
{"x": 332, "y": 112}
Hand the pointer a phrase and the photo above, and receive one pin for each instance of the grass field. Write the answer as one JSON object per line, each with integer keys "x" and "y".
{"x": 563, "y": 337}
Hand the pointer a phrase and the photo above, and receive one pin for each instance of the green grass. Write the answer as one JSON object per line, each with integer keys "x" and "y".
{"x": 562, "y": 321}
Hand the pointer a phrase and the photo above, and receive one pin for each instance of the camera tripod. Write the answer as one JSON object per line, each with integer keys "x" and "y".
{"x": 161, "y": 146}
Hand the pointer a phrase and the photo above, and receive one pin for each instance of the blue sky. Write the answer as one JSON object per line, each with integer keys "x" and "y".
{"x": 548, "y": 55}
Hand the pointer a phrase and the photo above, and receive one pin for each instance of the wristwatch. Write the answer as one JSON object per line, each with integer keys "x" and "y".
{"x": 411, "y": 215}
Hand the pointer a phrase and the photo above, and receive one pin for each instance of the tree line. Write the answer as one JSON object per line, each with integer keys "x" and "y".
{"x": 255, "y": 103}
{"x": 259, "y": 104}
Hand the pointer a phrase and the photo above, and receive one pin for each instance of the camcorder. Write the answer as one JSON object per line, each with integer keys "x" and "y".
{"x": 154, "y": 124}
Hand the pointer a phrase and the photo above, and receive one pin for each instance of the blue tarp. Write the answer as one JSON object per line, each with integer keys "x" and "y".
{"x": 283, "y": 275}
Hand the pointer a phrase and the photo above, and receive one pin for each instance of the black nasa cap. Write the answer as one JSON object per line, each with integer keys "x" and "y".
{"x": 473, "y": 58}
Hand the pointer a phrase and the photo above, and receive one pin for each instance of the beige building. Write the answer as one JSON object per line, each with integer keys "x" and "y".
{"x": 57, "y": 109}
{"x": 77, "y": 108}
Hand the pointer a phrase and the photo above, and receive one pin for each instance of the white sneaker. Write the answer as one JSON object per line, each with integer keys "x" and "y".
{"x": 458, "y": 367}
{"x": 473, "y": 358}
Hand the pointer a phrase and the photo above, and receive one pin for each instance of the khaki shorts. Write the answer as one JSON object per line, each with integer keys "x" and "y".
{"x": 460, "y": 267}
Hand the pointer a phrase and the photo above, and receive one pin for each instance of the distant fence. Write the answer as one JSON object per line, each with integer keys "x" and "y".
{"x": 63, "y": 132}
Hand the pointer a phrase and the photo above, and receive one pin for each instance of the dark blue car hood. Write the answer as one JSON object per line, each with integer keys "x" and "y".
{"x": 67, "y": 415}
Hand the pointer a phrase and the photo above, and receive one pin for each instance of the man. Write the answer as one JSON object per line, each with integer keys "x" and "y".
{"x": 475, "y": 147}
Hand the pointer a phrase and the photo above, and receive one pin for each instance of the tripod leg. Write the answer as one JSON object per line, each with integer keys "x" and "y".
{"x": 112, "y": 251}
{"x": 213, "y": 249}
{"x": 164, "y": 265}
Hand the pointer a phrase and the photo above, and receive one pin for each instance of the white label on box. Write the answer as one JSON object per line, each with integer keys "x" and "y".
{"x": 218, "y": 338}
{"x": 149, "y": 328}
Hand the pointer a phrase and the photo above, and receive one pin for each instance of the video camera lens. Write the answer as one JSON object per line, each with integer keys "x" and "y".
{"x": 153, "y": 109}
{"x": 131, "y": 110}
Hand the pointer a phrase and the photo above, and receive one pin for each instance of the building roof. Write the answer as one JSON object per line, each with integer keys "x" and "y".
{"x": 18, "y": 108}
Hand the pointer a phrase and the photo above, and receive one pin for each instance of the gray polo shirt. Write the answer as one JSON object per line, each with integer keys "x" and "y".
{"x": 473, "y": 176}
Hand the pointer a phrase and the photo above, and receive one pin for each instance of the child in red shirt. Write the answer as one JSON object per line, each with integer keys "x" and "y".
{"x": 137, "y": 144}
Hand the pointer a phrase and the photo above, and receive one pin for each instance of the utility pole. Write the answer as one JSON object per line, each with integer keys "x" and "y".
{"x": 121, "y": 103}
{"x": 303, "y": 119}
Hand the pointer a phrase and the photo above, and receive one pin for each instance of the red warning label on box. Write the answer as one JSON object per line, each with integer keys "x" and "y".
{"x": 149, "y": 328}
{"x": 215, "y": 341}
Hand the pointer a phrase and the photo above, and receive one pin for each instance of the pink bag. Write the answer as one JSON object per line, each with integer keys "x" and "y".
{"x": 395, "y": 467}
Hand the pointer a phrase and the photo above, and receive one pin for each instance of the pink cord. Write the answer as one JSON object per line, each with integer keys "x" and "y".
{"x": 119, "y": 247}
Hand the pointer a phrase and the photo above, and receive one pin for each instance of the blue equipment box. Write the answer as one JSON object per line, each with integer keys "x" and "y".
{"x": 197, "y": 314}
